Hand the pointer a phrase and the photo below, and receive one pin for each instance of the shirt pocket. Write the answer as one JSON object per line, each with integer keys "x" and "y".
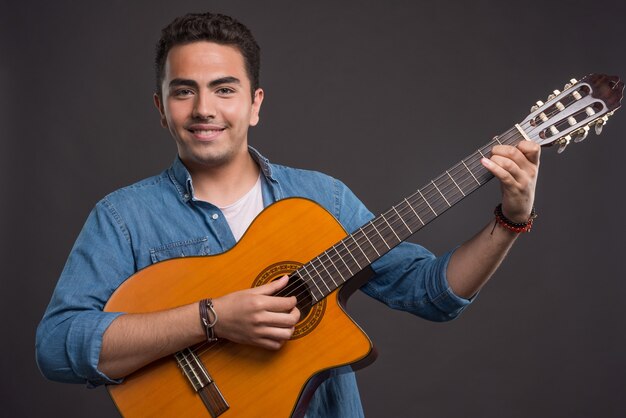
{"x": 191, "y": 247}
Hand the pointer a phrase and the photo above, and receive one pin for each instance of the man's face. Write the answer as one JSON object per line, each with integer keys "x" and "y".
{"x": 206, "y": 103}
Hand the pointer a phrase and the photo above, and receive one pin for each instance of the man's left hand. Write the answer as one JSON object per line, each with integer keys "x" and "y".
{"x": 517, "y": 169}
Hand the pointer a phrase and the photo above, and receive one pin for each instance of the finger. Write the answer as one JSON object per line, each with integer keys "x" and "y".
{"x": 500, "y": 173}
{"x": 525, "y": 154}
{"x": 270, "y": 344}
{"x": 531, "y": 150}
{"x": 273, "y": 338}
{"x": 510, "y": 166}
{"x": 271, "y": 287}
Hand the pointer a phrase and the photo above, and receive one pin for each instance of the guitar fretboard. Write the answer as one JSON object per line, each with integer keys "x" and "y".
{"x": 342, "y": 261}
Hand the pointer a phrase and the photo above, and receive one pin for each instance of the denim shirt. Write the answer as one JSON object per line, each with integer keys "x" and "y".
{"x": 159, "y": 218}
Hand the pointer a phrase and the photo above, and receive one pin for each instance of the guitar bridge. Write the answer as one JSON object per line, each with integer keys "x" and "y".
{"x": 202, "y": 382}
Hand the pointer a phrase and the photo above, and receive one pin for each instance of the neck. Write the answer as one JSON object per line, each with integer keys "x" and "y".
{"x": 224, "y": 184}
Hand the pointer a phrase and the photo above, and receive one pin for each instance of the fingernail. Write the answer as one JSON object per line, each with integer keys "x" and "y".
{"x": 485, "y": 161}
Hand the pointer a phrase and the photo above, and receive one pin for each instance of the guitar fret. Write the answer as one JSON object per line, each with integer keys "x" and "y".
{"x": 444, "y": 198}
{"x": 481, "y": 153}
{"x": 407, "y": 227}
{"x": 351, "y": 255}
{"x": 303, "y": 268}
{"x": 378, "y": 232}
{"x": 326, "y": 270}
{"x": 335, "y": 266}
{"x": 361, "y": 249}
{"x": 457, "y": 186}
{"x": 341, "y": 258}
{"x": 370, "y": 242}
{"x": 470, "y": 171}
{"x": 387, "y": 222}
{"x": 418, "y": 217}
{"x": 431, "y": 208}
{"x": 318, "y": 274}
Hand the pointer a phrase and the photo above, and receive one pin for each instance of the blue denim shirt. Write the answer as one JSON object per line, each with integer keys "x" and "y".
{"x": 159, "y": 218}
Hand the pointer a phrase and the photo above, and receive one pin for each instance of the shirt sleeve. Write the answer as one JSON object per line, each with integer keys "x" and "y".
{"x": 69, "y": 337}
{"x": 409, "y": 277}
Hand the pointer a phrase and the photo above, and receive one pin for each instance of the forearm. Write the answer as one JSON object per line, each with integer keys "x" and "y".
{"x": 134, "y": 340}
{"x": 474, "y": 262}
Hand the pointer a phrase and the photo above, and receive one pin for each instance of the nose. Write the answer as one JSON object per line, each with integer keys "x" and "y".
{"x": 204, "y": 106}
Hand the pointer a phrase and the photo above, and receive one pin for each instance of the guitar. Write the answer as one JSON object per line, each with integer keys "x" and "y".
{"x": 325, "y": 266}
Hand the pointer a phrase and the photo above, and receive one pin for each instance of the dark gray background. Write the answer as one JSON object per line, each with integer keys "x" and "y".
{"x": 383, "y": 96}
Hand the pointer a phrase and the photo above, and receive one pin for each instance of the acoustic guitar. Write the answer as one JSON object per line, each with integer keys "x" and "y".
{"x": 325, "y": 265}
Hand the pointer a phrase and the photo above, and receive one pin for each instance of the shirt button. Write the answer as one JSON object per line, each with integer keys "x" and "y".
{"x": 186, "y": 196}
{"x": 215, "y": 216}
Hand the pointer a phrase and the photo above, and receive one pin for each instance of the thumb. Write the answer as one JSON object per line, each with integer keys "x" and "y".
{"x": 272, "y": 287}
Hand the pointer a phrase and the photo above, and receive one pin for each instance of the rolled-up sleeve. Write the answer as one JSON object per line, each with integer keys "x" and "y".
{"x": 69, "y": 337}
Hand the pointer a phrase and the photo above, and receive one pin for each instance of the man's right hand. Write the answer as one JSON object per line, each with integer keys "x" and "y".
{"x": 255, "y": 317}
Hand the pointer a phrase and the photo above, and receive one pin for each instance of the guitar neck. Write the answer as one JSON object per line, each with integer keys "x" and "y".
{"x": 338, "y": 264}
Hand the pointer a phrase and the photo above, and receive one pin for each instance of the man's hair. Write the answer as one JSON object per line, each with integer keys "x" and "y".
{"x": 210, "y": 27}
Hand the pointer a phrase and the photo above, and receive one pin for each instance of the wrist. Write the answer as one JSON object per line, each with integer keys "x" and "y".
{"x": 512, "y": 224}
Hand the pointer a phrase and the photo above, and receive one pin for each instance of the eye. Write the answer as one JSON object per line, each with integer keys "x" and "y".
{"x": 183, "y": 92}
{"x": 225, "y": 91}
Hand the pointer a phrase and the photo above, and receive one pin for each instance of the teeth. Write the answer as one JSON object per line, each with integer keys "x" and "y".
{"x": 206, "y": 132}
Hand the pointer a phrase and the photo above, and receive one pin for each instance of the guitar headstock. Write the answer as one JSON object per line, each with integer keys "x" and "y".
{"x": 571, "y": 113}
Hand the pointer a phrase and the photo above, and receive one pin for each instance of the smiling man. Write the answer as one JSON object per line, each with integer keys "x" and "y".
{"x": 208, "y": 96}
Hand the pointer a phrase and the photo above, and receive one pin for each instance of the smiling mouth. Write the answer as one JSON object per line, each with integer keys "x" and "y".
{"x": 206, "y": 134}
{"x": 205, "y": 131}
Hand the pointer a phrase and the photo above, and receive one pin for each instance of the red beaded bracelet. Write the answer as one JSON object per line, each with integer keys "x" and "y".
{"x": 517, "y": 227}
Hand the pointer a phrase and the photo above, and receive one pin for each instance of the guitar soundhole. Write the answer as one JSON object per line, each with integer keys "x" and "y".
{"x": 310, "y": 313}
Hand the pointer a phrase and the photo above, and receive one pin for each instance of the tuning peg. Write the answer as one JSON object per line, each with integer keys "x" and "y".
{"x": 536, "y": 106}
{"x": 563, "y": 143}
{"x": 600, "y": 124}
{"x": 581, "y": 134}
{"x": 570, "y": 84}
{"x": 553, "y": 95}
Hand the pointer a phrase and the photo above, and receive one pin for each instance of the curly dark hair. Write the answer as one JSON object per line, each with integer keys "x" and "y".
{"x": 212, "y": 27}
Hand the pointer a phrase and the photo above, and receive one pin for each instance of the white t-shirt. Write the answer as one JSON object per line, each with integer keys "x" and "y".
{"x": 240, "y": 214}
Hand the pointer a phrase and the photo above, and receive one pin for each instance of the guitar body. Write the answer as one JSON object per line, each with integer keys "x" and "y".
{"x": 255, "y": 382}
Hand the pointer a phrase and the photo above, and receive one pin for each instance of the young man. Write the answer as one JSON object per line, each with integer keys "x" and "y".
{"x": 208, "y": 96}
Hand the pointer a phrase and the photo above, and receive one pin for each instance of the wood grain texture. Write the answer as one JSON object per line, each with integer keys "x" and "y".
{"x": 254, "y": 381}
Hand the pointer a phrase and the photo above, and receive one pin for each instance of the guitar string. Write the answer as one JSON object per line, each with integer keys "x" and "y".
{"x": 443, "y": 186}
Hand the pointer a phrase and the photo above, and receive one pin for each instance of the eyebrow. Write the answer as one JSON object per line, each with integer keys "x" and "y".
{"x": 214, "y": 83}
{"x": 224, "y": 80}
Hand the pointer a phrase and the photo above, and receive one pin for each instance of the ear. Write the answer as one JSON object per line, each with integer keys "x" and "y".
{"x": 256, "y": 107}
{"x": 159, "y": 105}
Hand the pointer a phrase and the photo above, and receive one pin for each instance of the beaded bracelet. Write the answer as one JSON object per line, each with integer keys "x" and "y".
{"x": 516, "y": 227}
{"x": 206, "y": 307}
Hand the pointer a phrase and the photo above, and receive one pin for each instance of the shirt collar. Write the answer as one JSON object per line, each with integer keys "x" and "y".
{"x": 180, "y": 177}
